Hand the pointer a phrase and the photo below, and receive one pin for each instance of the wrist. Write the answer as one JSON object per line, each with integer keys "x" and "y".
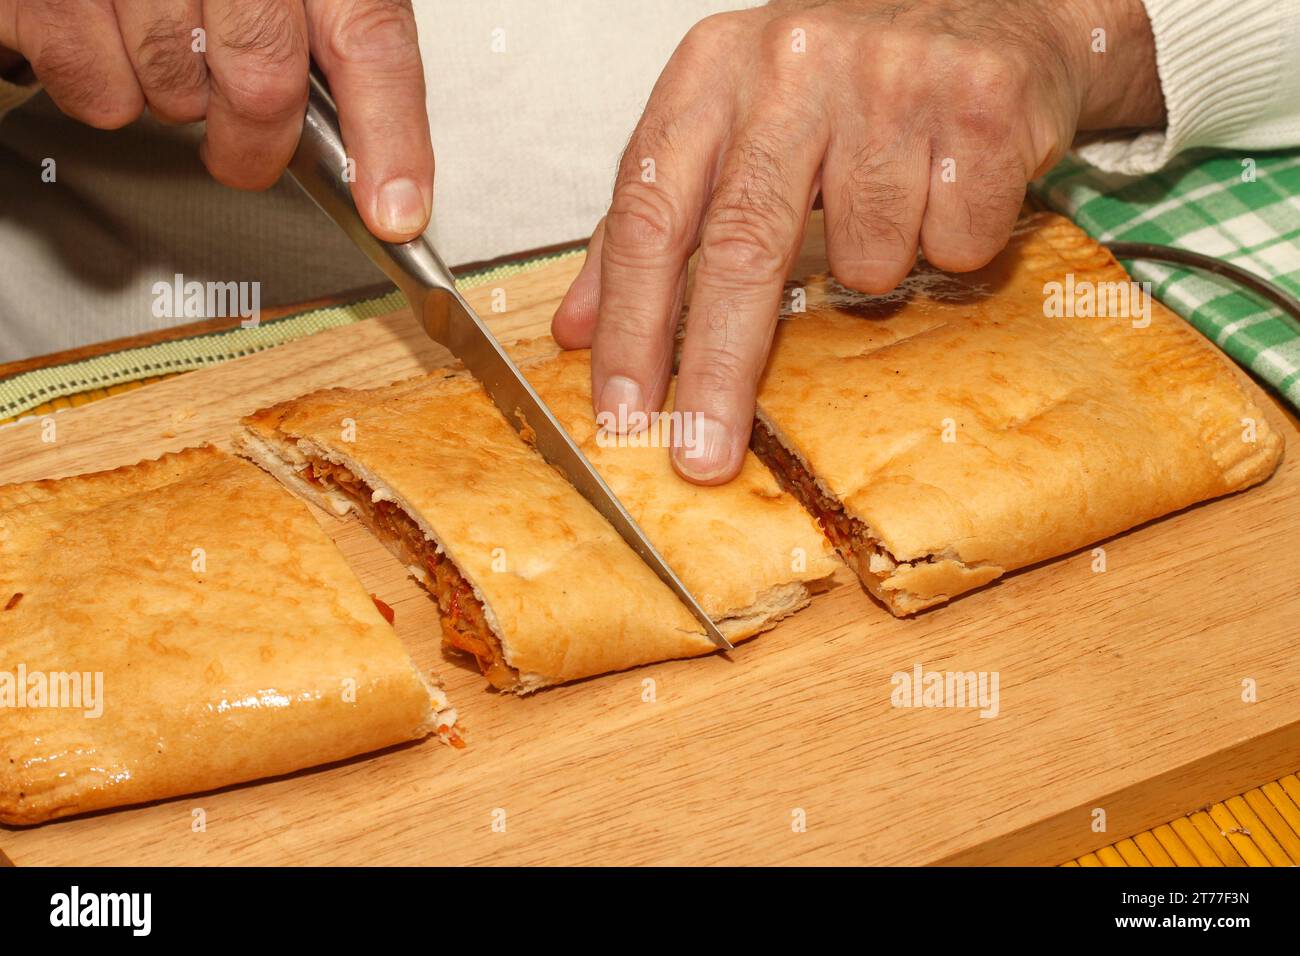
{"x": 1111, "y": 48}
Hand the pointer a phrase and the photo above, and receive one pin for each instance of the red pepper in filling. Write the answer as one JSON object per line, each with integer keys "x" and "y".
{"x": 384, "y": 609}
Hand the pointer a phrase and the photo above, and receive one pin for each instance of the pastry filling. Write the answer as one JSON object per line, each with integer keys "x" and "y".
{"x": 850, "y": 536}
{"x": 464, "y": 625}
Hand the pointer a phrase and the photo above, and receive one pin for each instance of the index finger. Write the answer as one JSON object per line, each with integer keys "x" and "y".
{"x": 370, "y": 52}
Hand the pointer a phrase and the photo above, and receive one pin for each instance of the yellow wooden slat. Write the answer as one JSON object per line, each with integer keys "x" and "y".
{"x": 1151, "y": 849}
{"x": 1291, "y": 784}
{"x": 1278, "y": 842}
{"x": 1178, "y": 852}
{"x": 1109, "y": 856}
{"x": 1131, "y": 854}
{"x": 1197, "y": 844}
{"x": 1240, "y": 837}
{"x": 91, "y": 395}
{"x": 84, "y": 398}
{"x": 1284, "y": 805}
{"x": 1216, "y": 838}
{"x": 1260, "y": 827}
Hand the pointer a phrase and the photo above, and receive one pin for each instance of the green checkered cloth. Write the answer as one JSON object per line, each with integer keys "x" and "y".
{"x": 1242, "y": 208}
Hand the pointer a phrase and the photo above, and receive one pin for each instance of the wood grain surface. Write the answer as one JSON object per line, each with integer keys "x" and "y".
{"x": 1119, "y": 691}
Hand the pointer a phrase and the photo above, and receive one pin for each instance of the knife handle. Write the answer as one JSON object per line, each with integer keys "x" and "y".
{"x": 321, "y": 166}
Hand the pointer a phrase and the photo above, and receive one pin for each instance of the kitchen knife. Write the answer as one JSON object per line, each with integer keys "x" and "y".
{"x": 321, "y": 167}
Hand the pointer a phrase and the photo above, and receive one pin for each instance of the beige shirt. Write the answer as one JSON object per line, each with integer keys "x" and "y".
{"x": 526, "y": 139}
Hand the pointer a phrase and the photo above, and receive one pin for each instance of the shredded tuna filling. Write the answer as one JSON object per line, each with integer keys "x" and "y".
{"x": 464, "y": 625}
{"x": 850, "y": 536}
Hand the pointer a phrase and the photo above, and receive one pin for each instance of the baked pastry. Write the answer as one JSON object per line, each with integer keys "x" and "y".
{"x": 529, "y": 578}
{"x": 196, "y": 627}
{"x": 951, "y": 431}
{"x": 747, "y": 551}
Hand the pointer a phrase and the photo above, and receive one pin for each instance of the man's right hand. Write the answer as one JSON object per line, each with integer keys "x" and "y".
{"x": 242, "y": 66}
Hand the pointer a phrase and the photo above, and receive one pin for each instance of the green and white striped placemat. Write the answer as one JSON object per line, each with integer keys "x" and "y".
{"x": 27, "y": 391}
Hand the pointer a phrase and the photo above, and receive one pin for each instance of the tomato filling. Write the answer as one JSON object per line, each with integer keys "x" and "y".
{"x": 464, "y": 624}
{"x": 850, "y": 536}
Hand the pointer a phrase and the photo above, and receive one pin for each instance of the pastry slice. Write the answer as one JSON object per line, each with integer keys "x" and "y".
{"x": 955, "y": 430}
{"x": 529, "y": 578}
{"x": 746, "y": 550}
{"x": 180, "y": 625}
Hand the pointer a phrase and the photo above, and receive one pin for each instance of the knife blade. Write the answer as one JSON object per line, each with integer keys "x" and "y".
{"x": 321, "y": 166}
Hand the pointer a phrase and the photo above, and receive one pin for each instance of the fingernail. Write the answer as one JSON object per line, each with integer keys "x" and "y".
{"x": 621, "y": 398}
{"x": 400, "y": 206}
{"x": 709, "y": 455}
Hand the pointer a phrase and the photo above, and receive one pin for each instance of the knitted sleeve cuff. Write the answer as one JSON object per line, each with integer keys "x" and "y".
{"x": 1230, "y": 72}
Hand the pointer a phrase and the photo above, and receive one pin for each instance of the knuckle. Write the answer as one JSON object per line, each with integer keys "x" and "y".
{"x": 1001, "y": 194}
{"x": 264, "y": 33}
{"x": 642, "y": 219}
{"x": 741, "y": 240}
{"x": 57, "y": 64}
{"x": 756, "y": 183}
{"x": 70, "y": 65}
{"x": 982, "y": 122}
{"x": 714, "y": 371}
{"x": 738, "y": 251}
{"x": 166, "y": 63}
{"x": 779, "y": 30}
{"x": 875, "y": 205}
{"x": 708, "y": 34}
{"x": 896, "y": 51}
{"x": 88, "y": 97}
{"x": 988, "y": 90}
{"x": 264, "y": 95}
{"x": 374, "y": 32}
{"x": 635, "y": 332}
{"x": 993, "y": 197}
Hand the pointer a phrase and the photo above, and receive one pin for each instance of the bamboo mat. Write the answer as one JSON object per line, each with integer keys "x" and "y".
{"x": 1260, "y": 827}
{"x": 86, "y": 397}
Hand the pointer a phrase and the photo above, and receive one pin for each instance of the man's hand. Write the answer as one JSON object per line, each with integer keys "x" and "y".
{"x": 242, "y": 66}
{"x": 919, "y": 123}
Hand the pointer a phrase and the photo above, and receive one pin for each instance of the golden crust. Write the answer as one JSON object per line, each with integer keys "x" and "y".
{"x": 1067, "y": 430}
{"x": 736, "y": 547}
{"x": 210, "y": 677}
{"x": 565, "y": 595}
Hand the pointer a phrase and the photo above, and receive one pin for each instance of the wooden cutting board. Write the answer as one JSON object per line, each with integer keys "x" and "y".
{"x": 1119, "y": 691}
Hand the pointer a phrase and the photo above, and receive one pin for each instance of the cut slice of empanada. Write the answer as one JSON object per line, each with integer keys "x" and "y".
{"x": 959, "y": 428}
{"x": 180, "y": 625}
{"x": 529, "y": 578}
